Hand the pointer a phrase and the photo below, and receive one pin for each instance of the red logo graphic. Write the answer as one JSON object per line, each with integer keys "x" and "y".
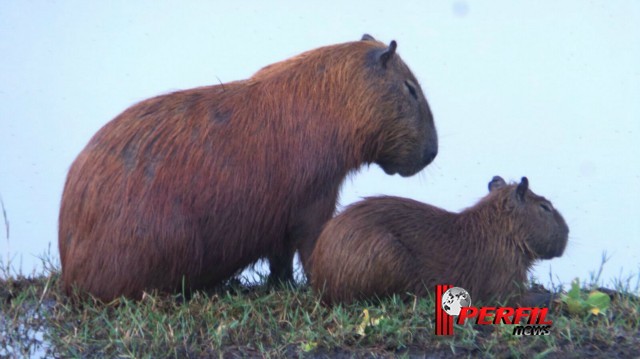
{"x": 444, "y": 322}
{"x": 455, "y": 301}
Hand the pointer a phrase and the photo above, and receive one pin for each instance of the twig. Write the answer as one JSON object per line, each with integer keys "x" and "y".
{"x": 6, "y": 226}
{"x": 221, "y": 84}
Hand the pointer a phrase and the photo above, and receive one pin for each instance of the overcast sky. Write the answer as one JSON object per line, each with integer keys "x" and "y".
{"x": 544, "y": 89}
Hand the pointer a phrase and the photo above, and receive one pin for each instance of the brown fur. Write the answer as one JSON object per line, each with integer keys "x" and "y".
{"x": 191, "y": 187}
{"x": 386, "y": 245}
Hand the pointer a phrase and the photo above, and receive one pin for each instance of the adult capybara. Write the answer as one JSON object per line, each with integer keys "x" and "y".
{"x": 386, "y": 245}
{"x": 188, "y": 188}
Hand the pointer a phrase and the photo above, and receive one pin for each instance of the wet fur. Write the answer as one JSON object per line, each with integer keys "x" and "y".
{"x": 386, "y": 245}
{"x": 187, "y": 189}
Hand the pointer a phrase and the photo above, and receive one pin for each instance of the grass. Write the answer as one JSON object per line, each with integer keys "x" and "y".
{"x": 36, "y": 319}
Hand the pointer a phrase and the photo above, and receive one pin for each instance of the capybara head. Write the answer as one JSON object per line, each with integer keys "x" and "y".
{"x": 413, "y": 145}
{"x": 383, "y": 98}
{"x": 546, "y": 231}
{"x": 386, "y": 245}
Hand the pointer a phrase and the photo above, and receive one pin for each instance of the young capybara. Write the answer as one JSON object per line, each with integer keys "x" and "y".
{"x": 184, "y": 190}
{"x": 386, "y": 245}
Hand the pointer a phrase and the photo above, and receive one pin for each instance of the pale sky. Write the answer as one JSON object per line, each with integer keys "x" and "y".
{"x": 547, "y": 89}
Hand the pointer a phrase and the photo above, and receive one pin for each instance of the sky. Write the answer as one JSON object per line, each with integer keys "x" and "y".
{"x": 547, "y": 89}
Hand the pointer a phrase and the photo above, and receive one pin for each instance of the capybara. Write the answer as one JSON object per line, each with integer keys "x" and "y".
{"x": 186, "y": 189}
{"x": 386, "y": 245}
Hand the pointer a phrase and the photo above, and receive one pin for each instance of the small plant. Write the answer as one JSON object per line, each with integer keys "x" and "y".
{"x": 367, "y": 322}
{"x": 579, "y": 303}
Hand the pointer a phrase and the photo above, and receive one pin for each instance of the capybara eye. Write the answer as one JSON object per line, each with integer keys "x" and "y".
{"x": 546, "y": 207}
{"x": 411, "y": 89}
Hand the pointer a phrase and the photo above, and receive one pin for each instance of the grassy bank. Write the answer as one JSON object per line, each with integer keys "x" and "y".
{"x": 36, "y": 319}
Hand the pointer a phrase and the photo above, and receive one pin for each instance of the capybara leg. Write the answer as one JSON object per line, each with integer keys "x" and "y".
{"x": 308, "y": 225}
{"x": 281, "y": 267}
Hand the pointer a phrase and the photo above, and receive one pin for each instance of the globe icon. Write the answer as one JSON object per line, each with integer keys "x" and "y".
{"x": 454, "y": 299}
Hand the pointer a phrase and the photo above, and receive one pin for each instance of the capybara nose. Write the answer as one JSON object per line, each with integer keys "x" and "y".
{"x": 429, "y": 156}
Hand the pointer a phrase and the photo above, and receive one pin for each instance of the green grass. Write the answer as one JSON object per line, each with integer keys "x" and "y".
{"x": 36, "y": 319}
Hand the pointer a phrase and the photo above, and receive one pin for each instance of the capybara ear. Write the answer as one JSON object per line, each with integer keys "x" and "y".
{"x": 496, "y": 183}
{"x": 522, "y": 188}
{"x": 388, "y": 53}
{"x": 367, "y": 37}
